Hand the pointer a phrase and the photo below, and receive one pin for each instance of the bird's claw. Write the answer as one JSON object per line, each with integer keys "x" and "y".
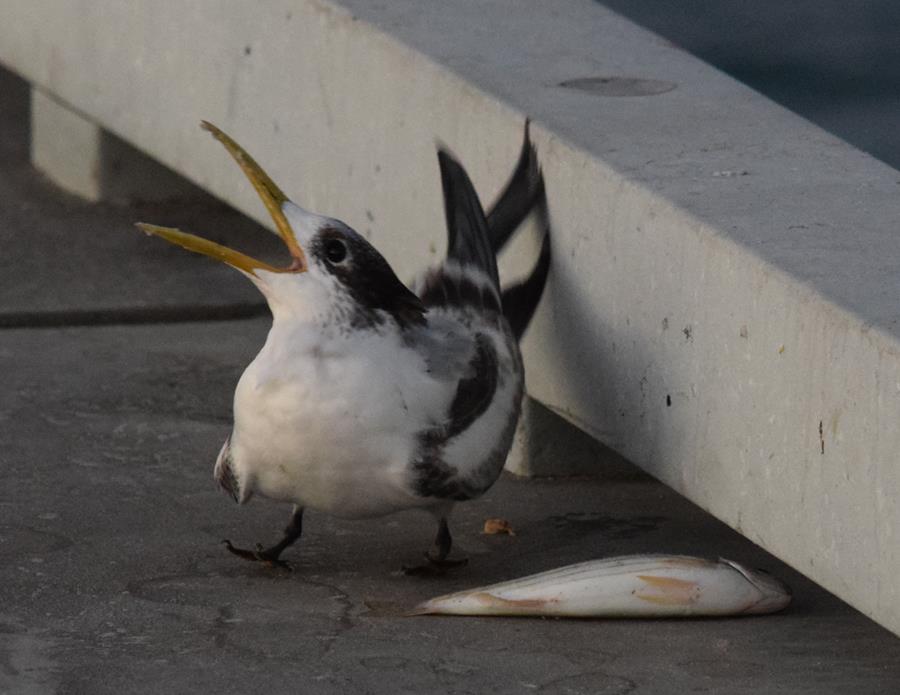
{"x": 258, "y": 555}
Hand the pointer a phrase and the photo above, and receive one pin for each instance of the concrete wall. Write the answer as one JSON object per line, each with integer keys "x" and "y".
{"x": 724, "y": 303}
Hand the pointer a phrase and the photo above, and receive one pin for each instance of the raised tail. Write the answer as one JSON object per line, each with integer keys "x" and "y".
{"x": 520, "y": 301}
{"x": 522, "y": 193}
{"x": 474, "y": 238}
{"x": 468, "y": 238}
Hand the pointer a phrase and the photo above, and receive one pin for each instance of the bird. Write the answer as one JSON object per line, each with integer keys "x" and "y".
{"x": 369, "y": 397}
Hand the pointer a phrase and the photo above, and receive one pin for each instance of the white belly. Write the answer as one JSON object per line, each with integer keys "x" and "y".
{"x": 331, "y": 429}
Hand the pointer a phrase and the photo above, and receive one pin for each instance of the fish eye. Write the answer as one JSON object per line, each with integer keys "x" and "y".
{"x": 335, "y": 250}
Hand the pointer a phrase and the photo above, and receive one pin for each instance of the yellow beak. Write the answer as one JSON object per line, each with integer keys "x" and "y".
{"x": 272, "y": 197}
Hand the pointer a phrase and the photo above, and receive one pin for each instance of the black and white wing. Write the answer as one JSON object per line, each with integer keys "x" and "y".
{"x": 462, "y": 454}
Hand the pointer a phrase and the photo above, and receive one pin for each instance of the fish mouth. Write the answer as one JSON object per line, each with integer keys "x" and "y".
{"x": 272, "y": 197}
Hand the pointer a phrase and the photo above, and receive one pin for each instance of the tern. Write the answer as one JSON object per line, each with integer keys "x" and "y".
{"x": 368, "y": 398}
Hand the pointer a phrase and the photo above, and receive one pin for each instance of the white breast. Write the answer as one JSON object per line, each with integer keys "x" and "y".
{"x": 330, "y": 422}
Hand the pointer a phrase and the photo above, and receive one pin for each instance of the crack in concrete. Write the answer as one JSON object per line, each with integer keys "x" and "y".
{"x": 345, "y": 622}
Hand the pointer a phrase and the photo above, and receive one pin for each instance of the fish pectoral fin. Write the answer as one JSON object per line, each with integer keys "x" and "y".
{"x": 667, "y": 590}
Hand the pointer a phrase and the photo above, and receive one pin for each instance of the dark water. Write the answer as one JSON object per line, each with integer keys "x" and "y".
{"x": 836, "y": 62}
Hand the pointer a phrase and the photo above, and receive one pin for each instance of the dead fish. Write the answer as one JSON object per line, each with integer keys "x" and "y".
{"x": 630, "y": 586}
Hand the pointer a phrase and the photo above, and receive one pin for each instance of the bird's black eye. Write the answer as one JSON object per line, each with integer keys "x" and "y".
{"x": 335, "y": 250}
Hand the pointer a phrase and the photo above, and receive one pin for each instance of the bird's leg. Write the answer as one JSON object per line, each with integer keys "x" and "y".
{"x": 443, "y": 542}
{"x": 437, "y": 560}
{"x": 270, "y": 555}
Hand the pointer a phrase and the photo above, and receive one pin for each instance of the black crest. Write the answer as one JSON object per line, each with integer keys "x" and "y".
{"x": 368, "y": 278}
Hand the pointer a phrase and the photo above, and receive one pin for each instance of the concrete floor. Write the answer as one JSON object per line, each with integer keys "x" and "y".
{"x": 115, "y": 401}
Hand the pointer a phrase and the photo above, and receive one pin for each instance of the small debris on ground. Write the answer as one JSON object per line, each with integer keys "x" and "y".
{"x": 494, "y": 527}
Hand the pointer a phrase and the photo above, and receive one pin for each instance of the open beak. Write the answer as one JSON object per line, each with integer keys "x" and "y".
{"x": 272, "y": 197}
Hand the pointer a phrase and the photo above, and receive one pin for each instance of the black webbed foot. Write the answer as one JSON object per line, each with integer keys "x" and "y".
{"x": 267, "y": 556}
{"x": 271, "y": 556}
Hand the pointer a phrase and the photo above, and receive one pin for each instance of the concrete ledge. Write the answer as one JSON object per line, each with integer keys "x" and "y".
{"x": 79, "y": 156}
{"x": 548, "y": 446}
{"x": 723, "y": 307}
